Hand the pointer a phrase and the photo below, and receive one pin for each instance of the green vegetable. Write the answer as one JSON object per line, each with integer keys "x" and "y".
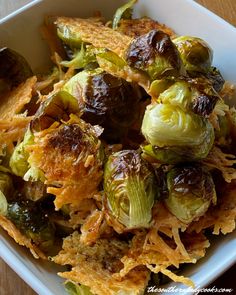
{"x": 196, "y": 54}
{"x": 191, "y": 192}
{"x": 165, "y": 125}
{"x": 76, "y": 289}
{"x": 57, "y": 107}
{"x": 18, "y": 161}
{"x": 178, "y": 94}
{"x": 29, "y": 217}
{"x": 69, "y": 37}
{"x": 124, "y": 12}
{"x": 130, "y": 189}
{"x": 3, "y": 204}
{"x": 192, "y": 95}
{"x": 155, "y": 54}
{"x": 81, "y": 58}
{"x": 105, "y": 100}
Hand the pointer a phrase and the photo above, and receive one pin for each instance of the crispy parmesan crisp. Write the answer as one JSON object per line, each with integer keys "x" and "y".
{"x": 94, "y": 265}
{"x": 95, "y": 33}
{"x": 163, "y": 246}
{"x": 61, "y": 152}
{"x": 13, "y": 103}
{"x": 19, "y": 238}
{"x": 141, "y": 26}
{"x": 12, "y": 131}
{"x": 223, "y": 162}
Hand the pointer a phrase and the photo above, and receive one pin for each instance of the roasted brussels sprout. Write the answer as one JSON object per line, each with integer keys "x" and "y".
{"x": 196, "y": 95}
{"x": 130, "y": 189}
{"x": 213, "y": 76}
{"x": 31, "y": 220}
{"x": 14, "y": 69}
{"x": 155, "y": 54}
{"x": 191, "y": 192}
{"x": 125, "y": 12}
{"x": 165, "y": 125}
{"x": 105, "y": 100}
{"x": 195, "y": 53}
{"x": 57, "y": 107}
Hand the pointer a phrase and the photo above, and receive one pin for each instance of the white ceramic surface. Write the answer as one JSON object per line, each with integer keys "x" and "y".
{"x": 20, "y": 31}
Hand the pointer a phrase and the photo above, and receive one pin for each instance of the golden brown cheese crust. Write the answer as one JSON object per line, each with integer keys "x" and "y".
{"x": 13, "y": 103}
{"x": 94, "y": 266}
{"x": 63, "y": 157}
{"x": 164, "y": 245}
{"x": 141, "y": 26}
{"x": 12, "y": 130}
{"x": 95, "y": 33}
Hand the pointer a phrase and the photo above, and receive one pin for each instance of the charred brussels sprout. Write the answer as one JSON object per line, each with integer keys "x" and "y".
{"x": 155, "y": 54}
{"x": 14, "y": 69}
{"x": 30, "y": 219}
{"x": 212, "y": 76}
{"x": 191, "y": 191}
{"x": 105, "y": 100}
{"x": 195, "y": 95}
{"x": 196, "y": 54}
{"x": 165, "y": 125}
{"x": 57, "y": 107}
{"x": 130, "y": 189}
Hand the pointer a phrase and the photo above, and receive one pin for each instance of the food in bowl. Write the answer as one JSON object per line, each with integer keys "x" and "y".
{"x": 119, "y": 161}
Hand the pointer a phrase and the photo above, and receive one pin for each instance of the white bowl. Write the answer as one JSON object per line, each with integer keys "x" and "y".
{"x": 21, "y": 31}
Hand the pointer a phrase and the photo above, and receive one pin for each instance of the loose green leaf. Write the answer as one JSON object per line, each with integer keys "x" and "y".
{"x": 124, "y": 11}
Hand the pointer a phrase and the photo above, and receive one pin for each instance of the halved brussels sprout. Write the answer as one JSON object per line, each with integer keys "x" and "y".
{"x": 196, "y": 54}
{"x": 155, "y": 54}
{"x": 105, "y": 100}
{"x": 165, "y": 125}
{"x": 195, "y": 95}
{"x": 31, "y": 220}
{"x": 14, "y": 69}
{"x": 130, "y": 189}
{"x": 125, "y": 11}
{"x": 191, "y": 192}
